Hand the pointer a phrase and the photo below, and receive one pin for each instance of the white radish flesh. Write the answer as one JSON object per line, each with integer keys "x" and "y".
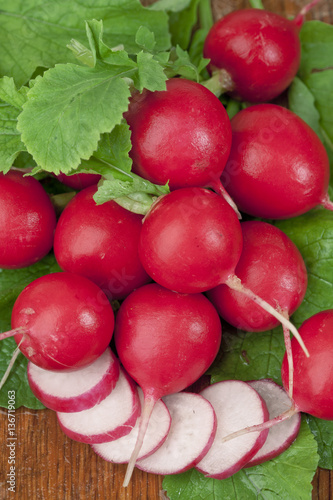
{"x": 281, "y": 435}
{"x": 192, "y": 431}
{"x": 111, "y": 419}
{"x": 236, "y": 405}
{"x": 119, "y": 451}
{"x": 75, "y": 390}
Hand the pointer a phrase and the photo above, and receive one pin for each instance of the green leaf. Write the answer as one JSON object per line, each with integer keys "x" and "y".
{"x": 67, "y": 111}
{"x": 145, "y": 38}
{"x": 182, "y": 23}
{"x": 36, "y": 32}
{"x": 10, "y": 95}
{"x": 317, "y": 47}
{"x": 10, "y": 139}
{"x": 323, "y": 432}
{"x": 150, "y": 73}
{"x": 313, "y": 235}
{"x": 12, "y": 282}
{"x": 286, "y": 477}
{"x": 302, "y": 102}
{"x": 113, "y": 150}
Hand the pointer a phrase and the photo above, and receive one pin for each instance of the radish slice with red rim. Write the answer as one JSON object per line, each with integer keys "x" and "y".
{"x": 237, "y": 405}
{"x": 76, "y": 390}
{"x": 119, "y": 451}
{"x": 281, "y": 435}
{"x": 192, "y": 431}
{"x": 112, "y": 418}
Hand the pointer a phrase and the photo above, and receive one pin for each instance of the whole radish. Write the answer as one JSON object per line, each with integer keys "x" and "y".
{"x": 79, "y": 181}
{"x": 62, "y": 321}
{"x": 278, "y": 167}
{"x": 181, "y": 136}
{"x": 100, "y": 242}
{"x": 313, "y": 376}
{"x": 270, "y": 265}
{"x": 165, "y": 341}
{"x": 27, "y": 221}
{"x": 254, "y": 54}
{"x": 191, "y": 241}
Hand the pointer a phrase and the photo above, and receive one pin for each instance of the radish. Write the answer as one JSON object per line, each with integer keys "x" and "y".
{"x": 76, "y": 390}
{"x": 166, "y": 148}
{"x": 61, "y": 321}
{"x": 254, "y": 54}
{"x": 27, "y": 221}
{"x": 280, "y": 436}
{"x": 191, "y": 241}
{"x": 100, "y": 242}
{"x": 119, "y": 450}
{"x": 313, "y": 376}
{"x": 192, "y": 432}
{"x": 278, "y": 167}
{"x": 111, "y": 419}
{"x": 79, "y": 181}
{"x": 166, "y": 341}
{"x": 236, "y": 404}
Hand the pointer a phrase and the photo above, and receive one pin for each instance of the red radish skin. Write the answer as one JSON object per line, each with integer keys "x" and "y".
{"x": 192, "y": 432}
{"x": 112, "y": 418}
{"x": 268, "y": 257}
{"x": 119, "y": 450}
{"x": 255, "y": 54}
{"x": 167, "y": 148}
{"x": 79, "y": 181}
{"x": 278, "y": 168}
{"x": 62, "y": 321}
{"x": 191, "y": 241}
{"x": 313, "y": 376}
{"x": 27, "y": 221}
{"x": 166, "y": 341}
{"x": 100, "y": 242}
{"x": 76, "y": 390}
{"x": 236, "y": 404}
{"x": 282, "y": 435}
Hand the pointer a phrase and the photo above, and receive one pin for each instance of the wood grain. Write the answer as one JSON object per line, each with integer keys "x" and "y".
{"x": 49, "y": 466}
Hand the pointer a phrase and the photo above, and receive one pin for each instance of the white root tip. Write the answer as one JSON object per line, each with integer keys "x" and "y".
{"x": 10, "y": 366}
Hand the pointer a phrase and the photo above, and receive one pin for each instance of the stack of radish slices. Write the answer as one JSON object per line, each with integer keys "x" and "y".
{"x": 100, "y": 405}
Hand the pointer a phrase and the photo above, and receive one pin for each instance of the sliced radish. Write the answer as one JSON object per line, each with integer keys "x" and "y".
{"x": 119, "y": 451}
{"x": 281, "y": 435}
{"x": 76, "y": 390}
{"x": 237, "y": 405}
{"x": 112, "y": 418}
{"x": 192, "y": 431}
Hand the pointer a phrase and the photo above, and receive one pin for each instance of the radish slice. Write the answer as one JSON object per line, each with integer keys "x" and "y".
{"x": 236, "y": 405}
{"x": 111, "y": 419}
{"x": 281, "y": 435}
{"x": 75, "y": 390}
{"x": 119, "y": 451}
{"x": 192, "y": 431}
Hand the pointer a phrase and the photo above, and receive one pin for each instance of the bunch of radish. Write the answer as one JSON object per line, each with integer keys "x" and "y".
{"x": 177, "y": 270}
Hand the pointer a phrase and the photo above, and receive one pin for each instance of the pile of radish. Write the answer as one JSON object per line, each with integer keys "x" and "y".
{"x": 119, "y": 378}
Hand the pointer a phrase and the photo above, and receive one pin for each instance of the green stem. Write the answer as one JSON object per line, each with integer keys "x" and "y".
{"x": 205, "y": 15}
{"x": 232, "y": 108}
{"x": 256, "y": 4}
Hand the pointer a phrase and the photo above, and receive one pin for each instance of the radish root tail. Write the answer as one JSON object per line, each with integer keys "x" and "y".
{"x": 11, "y": 364}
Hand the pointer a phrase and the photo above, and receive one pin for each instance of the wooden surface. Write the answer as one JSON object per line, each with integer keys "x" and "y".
{"x": 49, "y": 466}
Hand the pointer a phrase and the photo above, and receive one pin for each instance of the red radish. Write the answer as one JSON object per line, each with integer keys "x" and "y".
{"x": 254, "y": 54}
{"x": 192, "y": 432}
{"x": 119, "y": 450}
{"x": 76, "y": 390}
{"x": 273, "y": 268}
{"x": 191, "y": 241}
{"x": 313, "y": 376}
{"x": 27, "y": 221}
{"x": 168, "y": 148}
{"x": 281, "y": 435}
{"x": 79, "y": 181}
{"x": 236, "y": 404}
{"x": 62, "y": 321}
{"x": 111, "y": 419}
{"x": 166, "y": 341}
{"x": 278, "y": 167}
{"x": 100, "y": 242}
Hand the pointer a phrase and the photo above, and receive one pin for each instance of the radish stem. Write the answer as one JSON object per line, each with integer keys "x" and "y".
{"x": 235, "y": 284}
{"x": 11, "y": 333}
